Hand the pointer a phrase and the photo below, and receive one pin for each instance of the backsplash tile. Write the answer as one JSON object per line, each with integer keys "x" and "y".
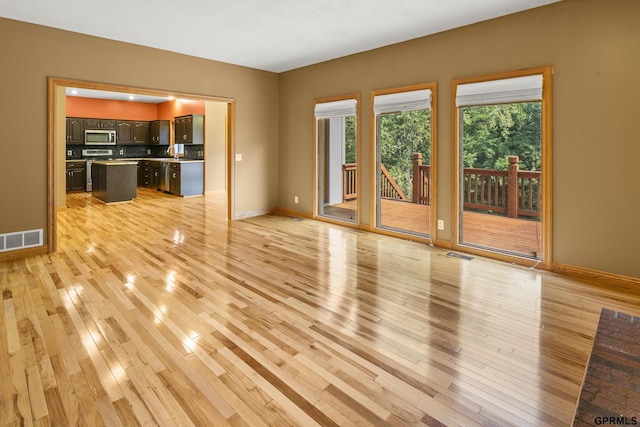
{"x": 191, "y": 151}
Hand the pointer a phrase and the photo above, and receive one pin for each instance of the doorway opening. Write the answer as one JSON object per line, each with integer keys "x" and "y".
{"x": 216, "y": 155}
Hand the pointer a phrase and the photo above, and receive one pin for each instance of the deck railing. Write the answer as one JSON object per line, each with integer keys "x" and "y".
{"x": 421, "y": 193}
{"x": 388, "y": 187}
{"x": 489, "y": 190}
{"x": 483, "y": 189}
{"x": 349, "y": 182}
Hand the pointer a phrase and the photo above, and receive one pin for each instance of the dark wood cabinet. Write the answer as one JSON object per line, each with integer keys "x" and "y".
{"x": 132, "y": 132}
{"x": 174, "y": 179}
{"x": 186, "y": 178}
{"x": 143, "y": 173}
{"x": 76, "y": 175}
{"x": 149, "y": 174}
{"x": 124, "y": 132}
{"x": 189, "y": 129}
{"x": 140, "y": 132}
{"x": 156, "y": 179}
{"x": 128, "y": 132}
{"x": 114, "y": 181}
{"x": 100, "y": 124}
{"x": 159, "y": 132}
{"x": 75, "y": 130}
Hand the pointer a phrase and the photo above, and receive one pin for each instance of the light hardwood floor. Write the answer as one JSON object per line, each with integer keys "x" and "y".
{"x": 160, "y": 312}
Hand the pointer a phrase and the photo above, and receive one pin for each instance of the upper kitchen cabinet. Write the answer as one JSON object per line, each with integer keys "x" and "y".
{"x": 140, "y": 132}
{"x": 132, "y": 132}
{"x": 99, "y": 124}
{"x": 159, "y": 132}
{"x": 124, "y": 132}
{"x": 189, "y": 129}
{"x": 75, "y": 131}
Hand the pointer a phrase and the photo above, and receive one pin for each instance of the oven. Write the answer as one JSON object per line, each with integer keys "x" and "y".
{"x": 90, "y": 154}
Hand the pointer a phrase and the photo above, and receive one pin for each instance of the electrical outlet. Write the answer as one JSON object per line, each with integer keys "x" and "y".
{"x": 148, "y": 151}
{"x": 238, "y": 157}
{"x": 295, "y": 199}
{"x": 441, "y": 224}
{"x": 121, "y": 152}
{"x": 69, "y": 153}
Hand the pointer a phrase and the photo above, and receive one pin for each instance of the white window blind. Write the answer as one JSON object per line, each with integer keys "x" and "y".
{"x": 402, "y": 101}
{"x": 517, "y": 89}
{"x": 342, "y": 108}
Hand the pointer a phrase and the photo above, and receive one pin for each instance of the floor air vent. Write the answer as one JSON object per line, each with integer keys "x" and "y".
{"x": 457, "y": 255}
{"x": 20, "y": 240}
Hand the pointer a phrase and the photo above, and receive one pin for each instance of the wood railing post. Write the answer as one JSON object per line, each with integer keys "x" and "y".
{"x": 512, "y": 187}
{"x": 417, "y": 184}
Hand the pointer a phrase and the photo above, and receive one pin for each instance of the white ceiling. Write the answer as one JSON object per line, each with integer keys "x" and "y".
{"x": 116, "y": 96}
{"x": 272, "y": 35}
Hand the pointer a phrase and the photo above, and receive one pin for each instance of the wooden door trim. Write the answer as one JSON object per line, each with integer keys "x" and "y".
{"x": 545, "y": 261}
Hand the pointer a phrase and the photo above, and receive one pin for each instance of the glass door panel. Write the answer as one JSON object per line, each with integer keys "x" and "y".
{"x": 404, "y": 171}
{"x": 337, "y": 168}
{"x": 500, "y": 178}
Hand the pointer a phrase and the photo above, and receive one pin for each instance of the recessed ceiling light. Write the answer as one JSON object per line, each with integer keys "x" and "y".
{"x": 131, "y": 97}
{"x": 74, "y": 92}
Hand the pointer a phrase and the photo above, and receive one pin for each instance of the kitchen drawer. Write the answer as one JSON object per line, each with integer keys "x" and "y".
{"x": 76, "y": 164}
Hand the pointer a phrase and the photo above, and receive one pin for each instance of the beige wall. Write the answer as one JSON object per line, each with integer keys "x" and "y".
{"x": 36, "y": 53}
{"x": 593, "y": 46}
{"x": 215, "y": 146}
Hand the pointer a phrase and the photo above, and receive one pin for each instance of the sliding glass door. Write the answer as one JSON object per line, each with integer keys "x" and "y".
{"x": 501, "y": 166}
{"x": 337, "y": 165}
{"x": 404, "y": 172}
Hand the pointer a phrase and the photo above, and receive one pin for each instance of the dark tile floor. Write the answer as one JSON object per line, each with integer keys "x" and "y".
{"x": 611, "y": 390}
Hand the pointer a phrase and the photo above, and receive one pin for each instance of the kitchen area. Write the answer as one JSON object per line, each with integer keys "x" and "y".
{"x": 113, "y": 146}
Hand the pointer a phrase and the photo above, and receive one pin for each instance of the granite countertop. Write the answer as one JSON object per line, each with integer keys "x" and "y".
{"x": 115, "y": 162}
{"x": 170, "y": 160}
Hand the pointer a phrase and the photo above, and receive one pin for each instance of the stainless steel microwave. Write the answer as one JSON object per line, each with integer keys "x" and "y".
{"x": 99, "y": 137}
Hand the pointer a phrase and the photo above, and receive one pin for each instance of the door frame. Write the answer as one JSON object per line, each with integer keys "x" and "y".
{"x": 546, "y": 165}
{"x": 53, "y": 122}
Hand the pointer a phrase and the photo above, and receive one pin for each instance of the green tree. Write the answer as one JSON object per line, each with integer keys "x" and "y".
{"x": 350, "y": 139}
{"x": 401, "y": 135}
{"x": 491, "y": 133}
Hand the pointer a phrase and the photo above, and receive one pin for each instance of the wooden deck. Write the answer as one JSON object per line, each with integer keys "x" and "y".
{"x": 520, "y": 236}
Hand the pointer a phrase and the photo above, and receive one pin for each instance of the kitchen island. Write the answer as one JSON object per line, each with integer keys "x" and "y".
{"x": 114, "y": 180}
